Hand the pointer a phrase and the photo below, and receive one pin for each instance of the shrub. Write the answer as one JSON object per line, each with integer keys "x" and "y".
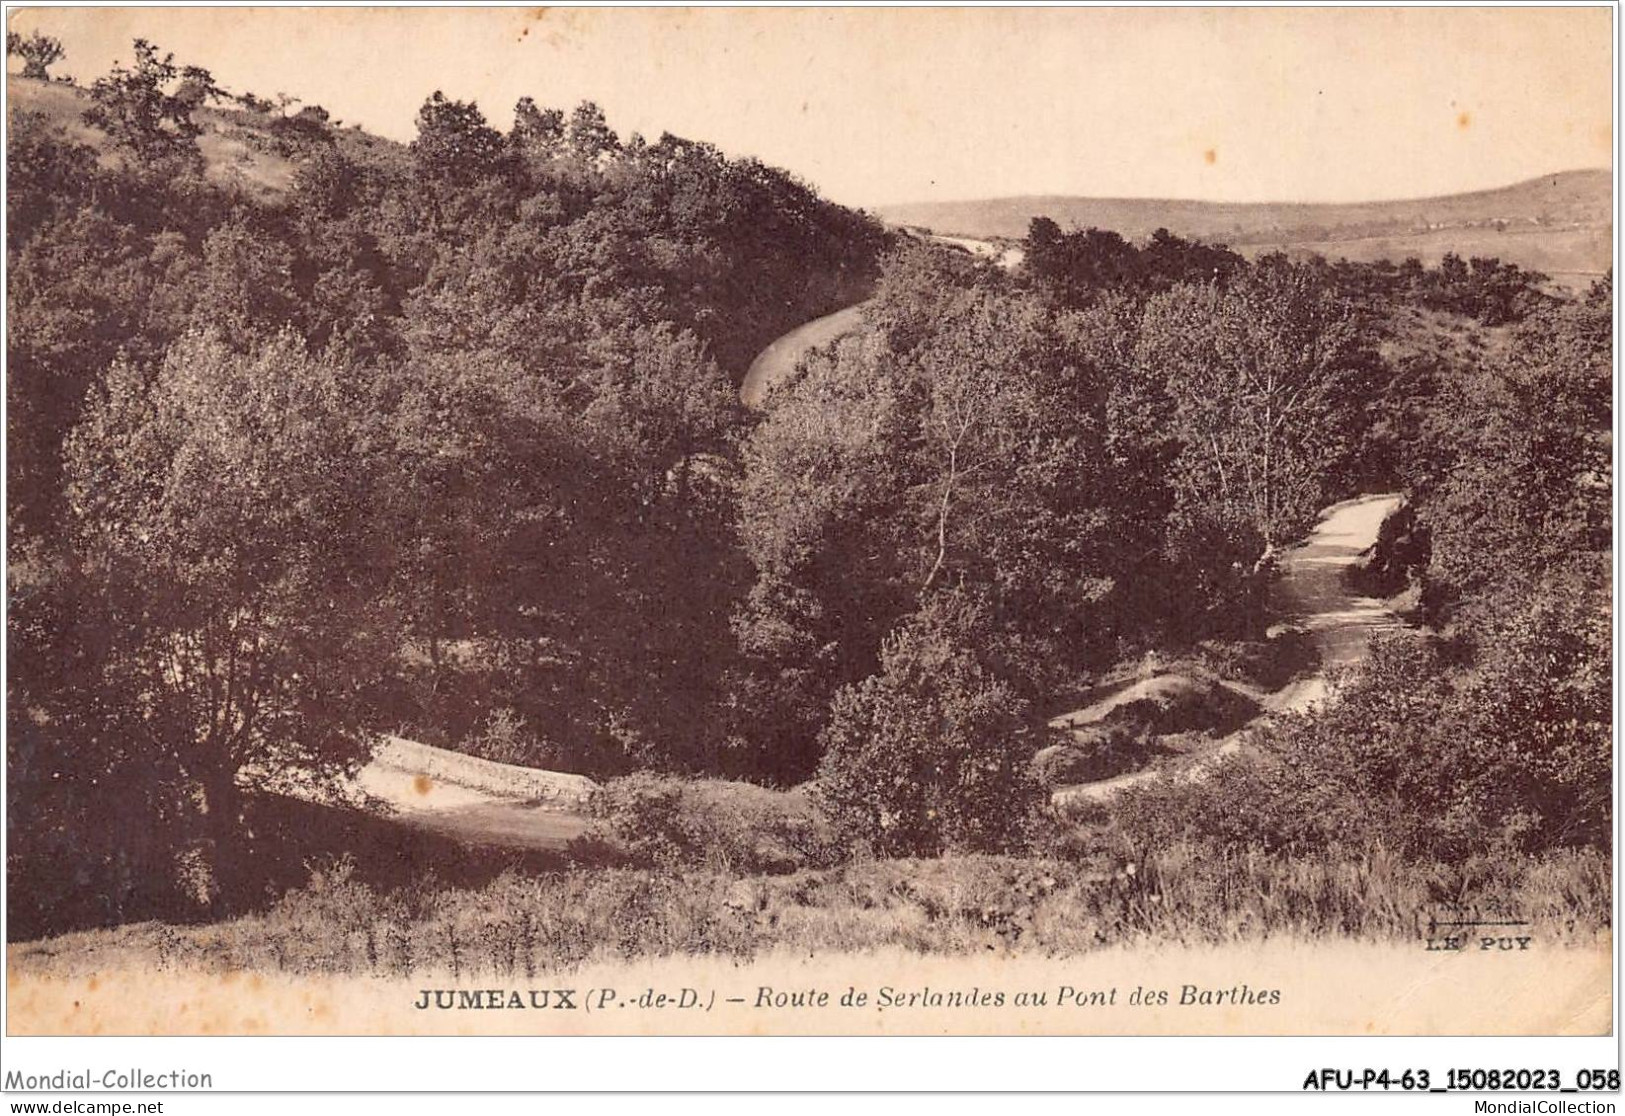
{"x": 1171, "y": 703}
{"x": 1232, "y": 803}
{"x": 1266, "y": 663}
{"x": 505, "y": 738}
{"x": 132, "y": 107}
{"x": 516, "y": 925}
{"x": 933, "y": 753}
{"x": 1541, "y": 704}
{"x": 666, "y": 821}
{"x": 454, "y": 142}
{"x": 1094, "y": 752}
{"x": 334, "y": 924}
{"x": 1415, "y": 757}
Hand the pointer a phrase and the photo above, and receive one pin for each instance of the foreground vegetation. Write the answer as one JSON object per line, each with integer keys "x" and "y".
{"x": 524, "y": 925}
{"x": 444, "y": 442}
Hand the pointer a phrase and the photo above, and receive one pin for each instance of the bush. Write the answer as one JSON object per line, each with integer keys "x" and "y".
{"x": 505, "y": 738}
{"x": 1234, "y": 803}
{"x": 132, "y": 107}
{"x": 307, "y": 126}
{"x": 1060, "y": 765}
{"x": 1416, "y": 757}
{"x": 454, "y": 142}
{"x": 657, "y": 820}
{"x": 934, "y": 752}
{"x": 38, "y": 52}
{"x": 523, "y": 925}
{"x": 1094, "y": 752}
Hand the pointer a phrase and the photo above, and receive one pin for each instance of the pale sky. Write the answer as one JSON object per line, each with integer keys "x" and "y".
{"x": 929, "y": 104}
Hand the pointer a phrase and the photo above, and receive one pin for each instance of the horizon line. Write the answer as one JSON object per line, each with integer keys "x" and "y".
{"x": 1053, "y": 196}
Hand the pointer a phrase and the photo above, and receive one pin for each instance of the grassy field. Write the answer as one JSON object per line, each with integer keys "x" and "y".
{"x": 522, "y": 923}
{"x": 1573, "y": 257}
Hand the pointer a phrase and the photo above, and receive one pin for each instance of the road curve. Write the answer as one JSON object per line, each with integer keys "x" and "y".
{"x": 1312, "y": 595}
{"x": 774, "y": 363}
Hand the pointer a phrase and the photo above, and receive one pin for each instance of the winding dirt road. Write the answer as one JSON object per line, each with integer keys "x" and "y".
{"x": 779, "y": 359}
{"x": 776, "y": 362}
{"x": 1312, "y": 595}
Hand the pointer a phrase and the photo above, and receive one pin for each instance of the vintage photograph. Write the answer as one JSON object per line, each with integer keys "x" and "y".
{"x": 809, "y": 521}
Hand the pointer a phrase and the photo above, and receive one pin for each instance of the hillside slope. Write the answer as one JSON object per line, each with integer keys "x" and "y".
{"x": 239, "y": 147}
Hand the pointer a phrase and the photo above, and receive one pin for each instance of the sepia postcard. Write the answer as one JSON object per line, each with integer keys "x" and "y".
{"x": 809, "y": 521}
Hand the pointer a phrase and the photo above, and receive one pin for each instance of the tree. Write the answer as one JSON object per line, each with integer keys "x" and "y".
{"x": 537, "y": 129}
{"x": 1167, "y": 260}
{"x": 38, "y": 52}
{"x": 932, "y": 753}
{"x": 104, "y": 805}
{"x": 819, "y": 509}
{"x": 1012, "y": 478}
{"x": 137, "y": 112}
{"x": 454, "y": 143}
{"x": 1265, "y": 378}
{"x": 543, "y": 352}
{"x": 589, "y": 134}
{"x": 82, "y": 289}
{"x": 959, "y": 441}
{"x": 1528, "y": 483}
{"x": 220, "y": 506}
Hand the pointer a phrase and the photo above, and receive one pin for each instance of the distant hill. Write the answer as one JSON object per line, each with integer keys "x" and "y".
{"x": 1561, "y": 224}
